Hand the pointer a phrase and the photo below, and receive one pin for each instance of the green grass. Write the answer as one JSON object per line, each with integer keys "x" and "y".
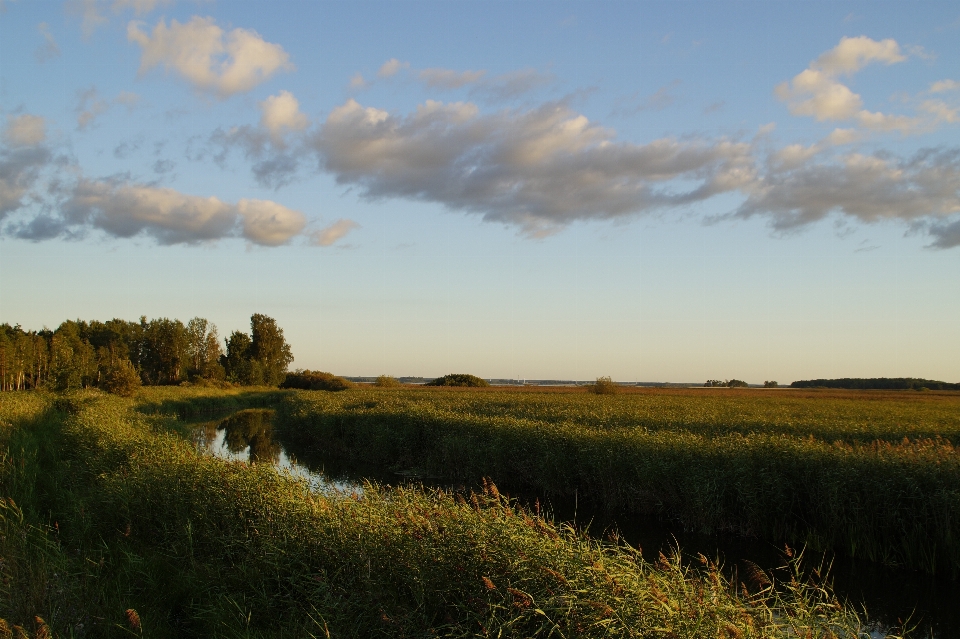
{"x": 114, "y": 511}
{"x": 871, "y": 475}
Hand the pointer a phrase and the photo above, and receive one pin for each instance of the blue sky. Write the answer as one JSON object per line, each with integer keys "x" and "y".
{"x": 656, "y": 191}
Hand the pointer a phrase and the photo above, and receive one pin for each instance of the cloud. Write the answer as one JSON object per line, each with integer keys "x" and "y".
{"x": 945, "y": 235}
{"x": 329, "y": 235}
{"x": 817, "y": 92}
{"x": 868, "y": 188}
{"x": 280, "y": 114}
{"x": 25, "y": 130}
{"x": 275, "y": 163}
{"x": 207, "y": 57}
{"x": 89, "y": 107}
{"x": 502, "y": 87}
{"x": 127, "y": 210}
{"x": 358, "y": 81}
{"x": 391, "y": 67}
{"x": 92, "y": 12}
{"x": 539, "y": 169}
{"x": 944, "y": 85}
{"x": 449, "y": 79}
{"x": 49, "y": 49}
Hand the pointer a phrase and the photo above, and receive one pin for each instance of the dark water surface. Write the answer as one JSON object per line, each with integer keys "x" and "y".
{"x": 891, "y": 596}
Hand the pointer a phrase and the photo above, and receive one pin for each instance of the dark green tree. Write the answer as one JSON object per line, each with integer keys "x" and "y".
{"x": 236, "y": 361}
{"x": 269, "y": 352}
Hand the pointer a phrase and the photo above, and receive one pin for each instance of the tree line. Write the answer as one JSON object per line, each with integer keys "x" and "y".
{"x": 877, "y": 383}
{"x": 82, "y": 354}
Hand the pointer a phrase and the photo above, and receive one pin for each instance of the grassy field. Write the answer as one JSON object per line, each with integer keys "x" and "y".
{"x": 871, "y": 474}
{"x": 112, "y": 524}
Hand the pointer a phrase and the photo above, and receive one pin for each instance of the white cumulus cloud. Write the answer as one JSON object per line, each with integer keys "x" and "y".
{"x": 392, "y": 67}
{"x": 25, "y": 130}
{"x": 207, "y": 57}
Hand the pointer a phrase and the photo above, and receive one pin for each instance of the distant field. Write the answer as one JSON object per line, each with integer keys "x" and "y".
{"x": 870, "y": 473}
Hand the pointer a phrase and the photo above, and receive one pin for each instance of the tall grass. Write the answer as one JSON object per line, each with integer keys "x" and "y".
{"x": 141, "y": 528}
{"x": 873, "y": 478}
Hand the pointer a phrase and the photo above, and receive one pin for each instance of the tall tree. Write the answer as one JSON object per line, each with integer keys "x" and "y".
{"x": 269, "y": 350}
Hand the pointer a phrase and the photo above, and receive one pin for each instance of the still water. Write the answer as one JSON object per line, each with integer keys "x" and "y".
{"x": 891, "y": 596}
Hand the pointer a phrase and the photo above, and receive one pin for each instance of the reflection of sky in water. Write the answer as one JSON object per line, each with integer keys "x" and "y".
{"x": 213, "y": 441}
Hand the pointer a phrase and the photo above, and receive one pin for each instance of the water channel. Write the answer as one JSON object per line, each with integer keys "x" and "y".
{"x": 891, "y": 595}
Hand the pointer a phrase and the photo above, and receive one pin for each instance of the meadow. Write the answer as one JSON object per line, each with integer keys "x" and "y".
{"x": 869, "y": 474}
{"x": 113, "y": 524}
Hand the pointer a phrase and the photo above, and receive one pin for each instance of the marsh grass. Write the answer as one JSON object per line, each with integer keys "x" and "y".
{"x": 163, "y": 541}
{"x": 871, "y": 477}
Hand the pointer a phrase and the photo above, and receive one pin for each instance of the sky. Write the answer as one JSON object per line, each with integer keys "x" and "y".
{"x": 654, "y": 191}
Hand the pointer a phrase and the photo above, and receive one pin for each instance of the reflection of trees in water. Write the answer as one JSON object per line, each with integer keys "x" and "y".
{"x": 253, "y": 428}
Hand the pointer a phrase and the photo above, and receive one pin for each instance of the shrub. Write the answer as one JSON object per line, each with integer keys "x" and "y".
{"x": 122, "y": 379}
{"x": 458, "y": 379}
{"x": 386, "y": 381}
{"x": 604, "y": 386}
{"x": 315, "y": 380}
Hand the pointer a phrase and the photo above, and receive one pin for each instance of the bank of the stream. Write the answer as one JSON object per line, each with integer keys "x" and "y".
{"x": 113, "y": 523}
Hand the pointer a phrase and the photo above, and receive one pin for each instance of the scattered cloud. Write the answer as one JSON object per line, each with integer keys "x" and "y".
{"x": 661, "y": 99}
{"x": 945, "y": 235}
{"x": 358, "y": 82}
{"x": 448, "y": 78}
{"x": 49, "y": 49}
{"x": 210, "y": 59}
{"x": 89, "y": 107}
{"x": 25, "y": 130}
{"x": 391, "y": 68}
{"x": 92, "y": 12}
{"x": 23, "y": 157}
{"x": 944, "y": 85}
{"x": 328, "y": 236}
{"x": 714, "y": 107}
{"x": 280, "y": 114}
{"x": 817, "y": 92}
{"x": 539, "y": 169}
{"x": 497, "y": 88}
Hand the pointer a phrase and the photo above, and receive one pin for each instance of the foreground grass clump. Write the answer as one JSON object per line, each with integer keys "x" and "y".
{"x": 130, "y": 530}
{"x": 875, "y": 476}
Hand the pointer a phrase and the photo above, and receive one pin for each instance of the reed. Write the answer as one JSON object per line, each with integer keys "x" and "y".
{"x": 147, "y": 536}
{"x": 875, "y": 478}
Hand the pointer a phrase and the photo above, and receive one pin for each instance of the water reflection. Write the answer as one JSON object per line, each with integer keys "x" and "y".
{"x": 892, "y": 596}
{"x": 247, "y": 435}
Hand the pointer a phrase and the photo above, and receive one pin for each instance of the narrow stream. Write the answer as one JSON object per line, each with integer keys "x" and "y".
{"x": 892, "y": 596}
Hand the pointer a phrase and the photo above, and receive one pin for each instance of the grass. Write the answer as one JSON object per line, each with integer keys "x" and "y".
{"x": 113, "y": 525}
{"x": 871, "y": 475}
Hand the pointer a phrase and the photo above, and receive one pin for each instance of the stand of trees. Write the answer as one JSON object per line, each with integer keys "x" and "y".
{"x": 877, "y": 383}
{"x": 81, "y": 354}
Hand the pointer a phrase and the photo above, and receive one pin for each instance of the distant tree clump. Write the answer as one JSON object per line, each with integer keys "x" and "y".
{"x": 604, "y": 386}
{"x": 458, "y": 379}
{"x": 386, "y": 381}
{"x": 122, "y": 379}
{"x": 315, "y": 380}
{"x": 770, "y": 385}
{"x": 730, "y": 383}
{"x": 876, "y": 383}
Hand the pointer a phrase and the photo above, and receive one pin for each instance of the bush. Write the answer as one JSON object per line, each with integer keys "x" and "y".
{"x": 386, "y": 381}
{"x": 605, "y": 386}
{"x": 122, "y": 379}
{"x": 458, "y": 379}
{"x": 315, "y": 380}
